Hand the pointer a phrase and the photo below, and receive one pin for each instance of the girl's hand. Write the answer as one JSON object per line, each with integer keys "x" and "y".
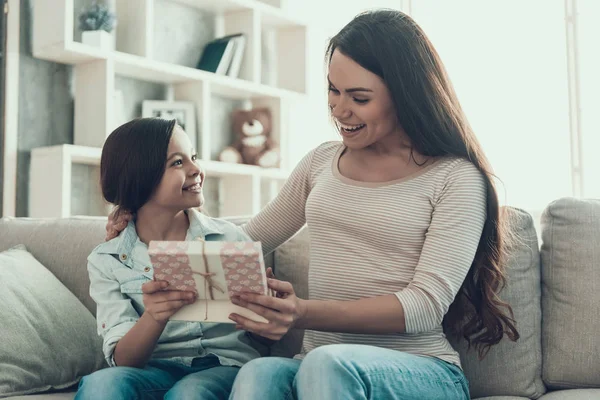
{"x": 161, "y": 304}
{"x": 117, "y": 221}
{"x": 281, "y": 311}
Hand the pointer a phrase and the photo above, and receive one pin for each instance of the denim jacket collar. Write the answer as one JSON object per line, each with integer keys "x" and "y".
{"x": 200, "y": 227}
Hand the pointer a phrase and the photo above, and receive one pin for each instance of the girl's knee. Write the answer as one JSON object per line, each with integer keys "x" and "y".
{"x": 108, "y": 383}
{"x": 259, "y": 367}
{"x": 103, "y": 377}
{"x": 193, "y": 390}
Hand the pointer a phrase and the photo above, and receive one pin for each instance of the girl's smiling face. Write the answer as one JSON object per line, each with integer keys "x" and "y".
{"x": 181, "y": 185}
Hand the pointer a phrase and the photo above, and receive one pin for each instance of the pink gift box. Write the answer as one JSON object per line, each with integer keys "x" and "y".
{"x": 214, "y": 270}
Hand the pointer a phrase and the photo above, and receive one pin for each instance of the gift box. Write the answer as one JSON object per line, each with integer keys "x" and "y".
{"x": 216, "y": 271}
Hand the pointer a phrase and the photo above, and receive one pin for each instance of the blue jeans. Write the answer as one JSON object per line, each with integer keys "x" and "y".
{"x": 355, "y": 372}
{"x": 206, "y": 379}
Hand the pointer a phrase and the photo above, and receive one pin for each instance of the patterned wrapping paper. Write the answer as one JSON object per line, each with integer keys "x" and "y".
{"x": 215, "y": 270}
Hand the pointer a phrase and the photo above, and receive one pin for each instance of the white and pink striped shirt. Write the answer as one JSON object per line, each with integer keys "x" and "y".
{"x": 414, "y": 237}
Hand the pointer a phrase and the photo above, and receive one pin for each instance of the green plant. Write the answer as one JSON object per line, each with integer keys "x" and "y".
{"x": 97, "y": 17}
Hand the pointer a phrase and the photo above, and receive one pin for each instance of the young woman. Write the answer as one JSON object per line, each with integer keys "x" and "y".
{"x": 405, "y": 227}
{"x": 148, "y": 167}
{"x": 407, "y": 240}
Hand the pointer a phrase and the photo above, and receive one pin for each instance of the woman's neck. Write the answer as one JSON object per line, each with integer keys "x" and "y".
{"x": 396, "y": 145}
{"x": 153, "y": 223}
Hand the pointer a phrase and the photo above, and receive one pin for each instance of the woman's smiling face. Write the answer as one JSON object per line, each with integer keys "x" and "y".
{"x": 360, "y": 102}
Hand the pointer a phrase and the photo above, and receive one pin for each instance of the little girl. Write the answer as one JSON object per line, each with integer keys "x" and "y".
{"x": 148, "y": 167}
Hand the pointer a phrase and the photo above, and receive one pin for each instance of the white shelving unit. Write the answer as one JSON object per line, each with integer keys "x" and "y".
{"x": 52, "y": 181}
{"x": 242, "y": 186}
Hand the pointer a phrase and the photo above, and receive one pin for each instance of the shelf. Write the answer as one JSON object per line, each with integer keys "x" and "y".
{"x": 64, "y": 179}
{"x": 271, "y": 16}
{"x": 91, "y": 156}
{"x": 155, "y": 71}
{"x": 141, "y": 68}
{"x": 71, "y": 53}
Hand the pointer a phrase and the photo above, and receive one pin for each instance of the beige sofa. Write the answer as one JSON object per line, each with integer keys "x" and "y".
{"x": 554, "y": 293}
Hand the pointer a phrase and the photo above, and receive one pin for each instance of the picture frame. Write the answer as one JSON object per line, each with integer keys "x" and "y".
{"x": 182, "y": 111}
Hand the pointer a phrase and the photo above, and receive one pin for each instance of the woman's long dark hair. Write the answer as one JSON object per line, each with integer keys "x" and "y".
{"x": 391, "y": 45}
{"x": 133, "y": 162}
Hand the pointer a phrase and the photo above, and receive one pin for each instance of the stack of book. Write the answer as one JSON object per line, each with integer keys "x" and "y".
{"x": 224, "y": 55}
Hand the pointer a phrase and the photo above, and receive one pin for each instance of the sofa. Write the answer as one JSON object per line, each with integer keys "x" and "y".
{"x": 49, "y": 338}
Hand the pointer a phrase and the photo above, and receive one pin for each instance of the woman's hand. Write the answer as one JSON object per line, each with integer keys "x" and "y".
{"x": 282, "y": 311}
{"x": 161, "y": 304}
{"x": 117, "y": 221}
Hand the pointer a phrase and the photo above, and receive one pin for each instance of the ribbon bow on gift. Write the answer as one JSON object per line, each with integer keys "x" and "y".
{"x": 209, "y": 283}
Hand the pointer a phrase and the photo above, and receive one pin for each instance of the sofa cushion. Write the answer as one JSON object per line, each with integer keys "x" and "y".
{"x": 575, "y": 394}
{"x": 571, "y": 293}
{"x": 49, "y": 338}
{"x": 66, "y": 395}
{"x": 61, "y": 245}
{"x": 513, "y": 368}
{"x": 499, "y": 398}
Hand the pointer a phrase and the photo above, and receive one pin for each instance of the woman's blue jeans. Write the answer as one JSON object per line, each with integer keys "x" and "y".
{"x": 350, "y": 372}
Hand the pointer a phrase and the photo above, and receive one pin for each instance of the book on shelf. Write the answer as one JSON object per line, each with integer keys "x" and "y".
{"x": 224, "y": 55}
{"x": 238, "y": 56}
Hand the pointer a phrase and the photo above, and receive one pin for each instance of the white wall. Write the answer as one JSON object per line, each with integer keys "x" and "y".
{"x": 509, "y": 68}
{"x": 310, "y": 122}
{"x": 512, "y": 82}
{"x": 589, "y": 62}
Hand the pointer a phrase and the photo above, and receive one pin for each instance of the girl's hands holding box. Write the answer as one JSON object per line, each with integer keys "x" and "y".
{"x": 161, "y": 304}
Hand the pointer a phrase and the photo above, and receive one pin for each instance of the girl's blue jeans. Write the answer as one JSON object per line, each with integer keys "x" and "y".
{"x": 206, "y": 379}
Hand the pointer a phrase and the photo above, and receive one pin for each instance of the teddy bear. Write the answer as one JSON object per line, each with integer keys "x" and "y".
{"x": 253, "y": 144}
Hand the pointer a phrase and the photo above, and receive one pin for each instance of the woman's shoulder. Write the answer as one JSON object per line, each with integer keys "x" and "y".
{"x": 457, "y": 169}
{"x": 448, "y": 164}
{"x": 329, "y": 148}
{"x": 325, "y": 150}
{"x": 323, "y": 154}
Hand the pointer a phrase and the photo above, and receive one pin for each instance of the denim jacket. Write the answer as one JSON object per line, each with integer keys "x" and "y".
{"x": 117, "y": 270}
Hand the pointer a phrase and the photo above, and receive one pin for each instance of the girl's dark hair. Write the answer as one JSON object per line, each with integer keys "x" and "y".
{"x": 391, "y": 45}
{"x": 133, "y": 161}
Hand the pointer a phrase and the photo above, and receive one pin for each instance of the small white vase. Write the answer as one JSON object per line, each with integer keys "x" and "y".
{"x": 99, "y": 38}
